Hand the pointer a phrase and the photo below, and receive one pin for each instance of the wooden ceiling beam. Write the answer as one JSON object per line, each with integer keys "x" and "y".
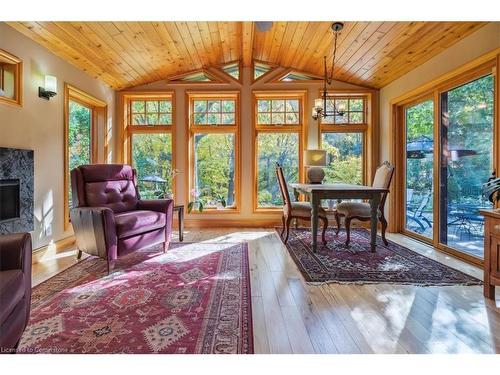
{"x": 248, "y": 32}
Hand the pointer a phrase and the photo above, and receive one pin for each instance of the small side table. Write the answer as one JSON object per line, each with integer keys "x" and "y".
{"x": 180, "y": 217}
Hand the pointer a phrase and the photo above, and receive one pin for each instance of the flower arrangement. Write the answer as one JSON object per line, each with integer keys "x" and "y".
{"x": 200, "y": 203}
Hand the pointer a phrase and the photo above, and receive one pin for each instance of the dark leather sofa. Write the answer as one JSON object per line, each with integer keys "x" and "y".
{"x": 15, "y": 288}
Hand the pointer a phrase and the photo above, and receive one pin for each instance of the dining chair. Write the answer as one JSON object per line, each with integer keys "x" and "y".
{"x": 296, "y": 210}
{"x": 361, "y": 210}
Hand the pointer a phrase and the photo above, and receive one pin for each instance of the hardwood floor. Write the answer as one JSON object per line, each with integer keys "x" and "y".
{"x": 290, "y": 316}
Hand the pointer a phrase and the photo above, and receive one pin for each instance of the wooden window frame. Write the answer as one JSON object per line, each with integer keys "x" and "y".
{"x": 480, "y": 67}
{"x": 18, "y": 79}
{"x": 99, "y": 119}
{"x": 367, "y": 129}
{"x": 129, "y": 130}
{"x": 300, "y": 129}
{"x": 235, "y": 129}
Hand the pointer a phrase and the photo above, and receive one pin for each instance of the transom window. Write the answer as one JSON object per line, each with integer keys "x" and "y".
{"x": 151, "y": 112}
{"x": 278, "y": 111}
{"x": 214, "y": 112}
{"x": 354, "y": 111}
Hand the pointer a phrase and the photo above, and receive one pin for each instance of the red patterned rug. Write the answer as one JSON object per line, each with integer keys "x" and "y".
{"x": 193, "y": 299}
{"x": 356, "y": 264}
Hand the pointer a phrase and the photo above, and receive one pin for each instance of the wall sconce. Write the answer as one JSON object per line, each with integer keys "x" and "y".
{"x": 50, "y": 88}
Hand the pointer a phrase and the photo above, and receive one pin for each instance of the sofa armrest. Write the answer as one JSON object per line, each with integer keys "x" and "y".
{"x": 95, "y": 231}
{"x": 15, "y": 252}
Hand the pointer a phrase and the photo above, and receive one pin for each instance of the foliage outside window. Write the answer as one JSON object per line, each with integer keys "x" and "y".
{"x": 233, "y": 69}
{"x": 214, "y": 112}
{"x": 214, "y": 151}
{"x": 79, "y": 138}
{"x": 151, "y": 112}
{"x": 354, "y": 111}
{"x": 344, "y": 157}
{"x": 278, "y": 112}
{"x": 152, "y": 158}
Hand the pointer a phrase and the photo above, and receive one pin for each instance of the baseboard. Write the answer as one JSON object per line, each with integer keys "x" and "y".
{"x": 230, "y": 223}
{"x": 52, "y": 249}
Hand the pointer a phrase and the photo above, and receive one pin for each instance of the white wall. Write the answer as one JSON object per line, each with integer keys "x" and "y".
{"x": 39, "y": 126}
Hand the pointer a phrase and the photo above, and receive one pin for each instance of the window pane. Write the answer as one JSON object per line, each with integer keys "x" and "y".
{"x": 138, "y": 120}
{"x": 467, "y": 163}
{"x": 228, "y": 106}
{"x": 228, "y": 118}
{"x": 278, "y": 105}
{"x": 356, "y": 105}
{"x": 278, "y": 118}
{"x": 200, "y": 106}
{"x": 263, "y": 105}
{"x": 341, "y": 119}
{"x": 214, "y": 118}
{"x": 355, "y": 117}
{"x": 152, "y": 106}
{"x": 292, "y": 105}
{"x": 165, "y": 106}
{"x": 292, "y": 118}
{"x": 214, "y": 168}
{"x": 152, "y": 158}
{"x": 272, "y": 148}
{"x": 214, "y": 106}
{"x": 165, "y": 119}
{"x": 344, "y": 157}
{"x": 200, "y": 118}
{"x": 152, "y": 119}
{"x": 79, "y": 141}
{"x": 138, "y": 106}
{"x": 419, "y": 168}
{"x": 264, "y": 118}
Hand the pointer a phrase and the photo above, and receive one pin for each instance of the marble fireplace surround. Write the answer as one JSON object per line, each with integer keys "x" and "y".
{"x": 19, "y": 164}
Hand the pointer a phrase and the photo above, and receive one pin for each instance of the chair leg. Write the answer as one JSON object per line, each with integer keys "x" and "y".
{"x": 283, "y": 223}
{"x": 347, "y": 223}
{"x": 111, "y": 266}
{"x": 296, "y": 223}
{"x": 325, "y": 226}
{"x": 337, "y": 219}
{"x": 79, "y": 255}
{"x": 383, "y": 221}
{"x": 288, "y": 221}
{"x": 165, "y": 246}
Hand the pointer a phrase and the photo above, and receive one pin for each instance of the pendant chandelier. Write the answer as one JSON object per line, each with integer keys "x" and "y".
{"x": 325, "y": 106}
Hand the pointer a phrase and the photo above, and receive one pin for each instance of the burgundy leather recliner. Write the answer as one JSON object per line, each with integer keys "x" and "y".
{"x": 15, "y": 288}
{"x": 109, "y": 218}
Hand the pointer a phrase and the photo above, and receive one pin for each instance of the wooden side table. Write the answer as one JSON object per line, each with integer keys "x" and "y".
{"x": 491, "y": 251}
{"x": 180, "y": 218}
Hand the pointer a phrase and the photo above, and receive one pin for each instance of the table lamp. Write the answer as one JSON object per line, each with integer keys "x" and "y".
{"x": 315, "y": 160}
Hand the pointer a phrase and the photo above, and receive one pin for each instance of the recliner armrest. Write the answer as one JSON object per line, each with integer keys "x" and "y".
{"x": 95, "y": 231}
{"x": 15, "y": 252}
{"x": 158, "y": 205}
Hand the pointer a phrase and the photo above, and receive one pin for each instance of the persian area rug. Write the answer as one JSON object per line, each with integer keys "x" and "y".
{"x": 356, "y": 264}
{"x": 193, "y": 299}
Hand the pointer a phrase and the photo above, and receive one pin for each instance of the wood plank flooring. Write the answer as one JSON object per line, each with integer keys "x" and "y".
{"x": 290, "y": 316}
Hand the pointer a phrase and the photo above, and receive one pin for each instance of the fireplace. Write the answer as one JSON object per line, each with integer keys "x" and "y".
{"x": 9, "y": 199}
{"x": 16, "y": 190}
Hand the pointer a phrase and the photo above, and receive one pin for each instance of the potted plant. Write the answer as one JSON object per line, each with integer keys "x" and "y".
{"x": 196, "y": 201}
{"x": 221, "y": 201}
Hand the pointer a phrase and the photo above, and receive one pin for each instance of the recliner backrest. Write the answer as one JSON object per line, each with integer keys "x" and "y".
{"x": 105, "y": 185}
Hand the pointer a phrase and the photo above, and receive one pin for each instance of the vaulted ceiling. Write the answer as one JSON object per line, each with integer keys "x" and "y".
{"x": 126, "y": 54}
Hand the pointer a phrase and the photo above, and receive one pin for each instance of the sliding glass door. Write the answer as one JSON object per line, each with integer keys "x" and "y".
{"x": 419, "y": 167}
{"x": 448, "y": 155}
{"x": 466, "y": 163}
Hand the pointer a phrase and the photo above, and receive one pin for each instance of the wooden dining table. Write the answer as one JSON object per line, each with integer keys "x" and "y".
{"x": 317, "y": 192}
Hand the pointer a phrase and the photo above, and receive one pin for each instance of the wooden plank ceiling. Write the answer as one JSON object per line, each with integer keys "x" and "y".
{"x": 126, "y": 54}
